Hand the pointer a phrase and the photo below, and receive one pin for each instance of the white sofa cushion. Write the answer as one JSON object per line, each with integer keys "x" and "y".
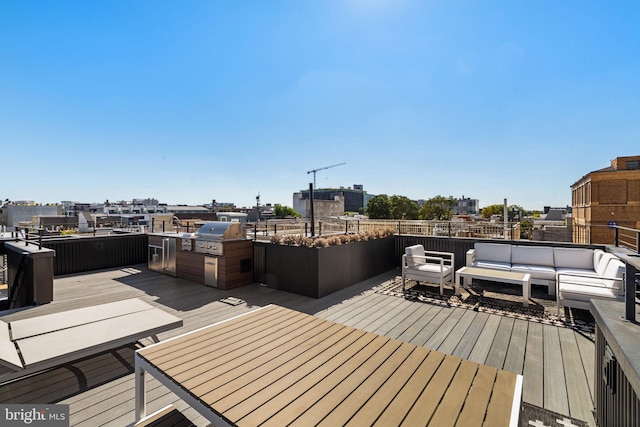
{"x": 414, "y": 251}
{"x": 603, "y": 262}
{"x": 494, "y": 252}
{"x": 597, "y": 254}
{"x": 494, "y": 265}
{"x": 573, "y": 258}
{"x": 584, "y": 292}
{"x": 576, "y": 271}
{"x": 537, "y": 271}
{"x": 532, "y": 255}
{"x": 615, "y": 269}
{"x": 431, "y": 270}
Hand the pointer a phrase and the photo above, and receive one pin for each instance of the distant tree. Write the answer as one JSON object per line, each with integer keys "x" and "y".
{"x": 280, "y": 211}
{"x": 403, "y": 208}
{"x": 499, "y": 210}
{"x": 526, "y": 229}
{"x": 379, "y": 207}
{"x": 492, "y": 210}
{"x": 438, "y": 207}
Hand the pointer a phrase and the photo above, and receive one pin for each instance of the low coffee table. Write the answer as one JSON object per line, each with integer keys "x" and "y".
{"x": 523, "y": 279}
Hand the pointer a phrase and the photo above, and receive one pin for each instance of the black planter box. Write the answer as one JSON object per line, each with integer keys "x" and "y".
{"x": 317, "y": 272}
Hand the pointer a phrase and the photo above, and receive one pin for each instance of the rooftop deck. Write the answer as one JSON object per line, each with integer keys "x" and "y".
{"x": 557, "y": 363}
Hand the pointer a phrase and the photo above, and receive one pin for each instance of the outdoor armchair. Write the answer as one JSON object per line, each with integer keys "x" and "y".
{"x": 427, "y": 266}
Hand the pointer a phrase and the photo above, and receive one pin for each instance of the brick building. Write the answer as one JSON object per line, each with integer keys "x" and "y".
{"x": 604, "y": 197}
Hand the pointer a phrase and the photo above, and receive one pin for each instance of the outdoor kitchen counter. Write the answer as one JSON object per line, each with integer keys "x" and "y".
{"x": 218, "y": 255}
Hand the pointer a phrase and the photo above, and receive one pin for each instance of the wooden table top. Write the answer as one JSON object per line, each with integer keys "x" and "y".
{"x": 490, "y": 272}
{"x": 275, "y": 366}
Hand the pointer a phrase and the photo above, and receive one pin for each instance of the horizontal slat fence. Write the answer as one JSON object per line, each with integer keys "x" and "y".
{"x": 74, "y": 255}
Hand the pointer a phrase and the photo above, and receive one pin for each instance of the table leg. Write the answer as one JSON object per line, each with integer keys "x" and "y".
{"x": 457, "y": 284}
{"x": 141, "y": 404}
{"x": 526, "y": 289}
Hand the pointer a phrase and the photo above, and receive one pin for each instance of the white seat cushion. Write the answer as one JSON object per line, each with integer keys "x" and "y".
{"x": 576, "y": 271}
{"x": 537, "y": 271}
{"x": 492, "y": 264}
{"x": 431, "y": 269}
{"x": 575, "y": 291}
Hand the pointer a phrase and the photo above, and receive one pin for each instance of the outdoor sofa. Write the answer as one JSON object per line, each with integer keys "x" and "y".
{"x": 35, "y": 344}
{"x": 574, "y": 275}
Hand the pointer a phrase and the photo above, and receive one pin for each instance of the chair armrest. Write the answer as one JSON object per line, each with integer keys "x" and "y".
{"x": 448, "y": 257}
{"x": 471, "y": 257}
{"x": 589, "y": 276}
{"x": 422, "y": 258}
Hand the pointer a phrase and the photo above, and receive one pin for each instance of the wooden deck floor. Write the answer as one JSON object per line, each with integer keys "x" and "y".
{"x": 557, "y": 363}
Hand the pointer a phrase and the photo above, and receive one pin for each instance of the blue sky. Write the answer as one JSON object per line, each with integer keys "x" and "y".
{"x": 199, "y": 100}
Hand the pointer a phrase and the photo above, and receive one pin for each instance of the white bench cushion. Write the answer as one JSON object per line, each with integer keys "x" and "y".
{"x": 603, "y": 262}
{"x": 9, "y": 356}
{"x": 414, "y": 251}
{"x": 495, "y": 252}
{"x": 494, "y": 265}
{"x": 576, "y": 271}
{"x": 615, "y": 269}
{"x": 429, "y": 271}
{"x": 532, "y": 255}
{"x": 537, "y": 271}
{"x": 67, "y": 319}
{"x": 573, "y": 258}
{"x": 575, "y": 291}
{"x": 91, "y": 338}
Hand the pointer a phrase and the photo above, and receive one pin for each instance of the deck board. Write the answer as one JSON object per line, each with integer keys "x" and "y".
{"x": 587, "y": 356}
{"x": 578, "y": 393}
{"x": 484, "y": 343}
{"x": 533, "y": 373}
{"x": 555, "y": 390}
{"x": 453, "y": 338}
{"x": 426, "y": 313}
{"x": 500, "y": 344}
{"x": 434, "y": 326}
{"x": 100, "y": 389}
{"x": 468, "y": 341}
{"x": 409, "y": 314}
{"x": 514, "y": 360}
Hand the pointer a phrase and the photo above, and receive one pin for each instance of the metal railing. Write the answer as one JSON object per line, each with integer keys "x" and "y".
{"x": 627, "y": 237}
{"x": 28, "y": 235}
{"x": 333, "y": 226}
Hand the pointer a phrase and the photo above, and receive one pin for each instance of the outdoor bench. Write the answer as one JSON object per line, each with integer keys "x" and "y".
{"x": 35, "y": 344}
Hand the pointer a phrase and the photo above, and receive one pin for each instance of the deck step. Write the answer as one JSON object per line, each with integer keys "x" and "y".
{"x": 168, "y": 416}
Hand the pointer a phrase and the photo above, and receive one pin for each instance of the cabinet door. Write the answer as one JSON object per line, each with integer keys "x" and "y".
{"x": 211, "y": 271}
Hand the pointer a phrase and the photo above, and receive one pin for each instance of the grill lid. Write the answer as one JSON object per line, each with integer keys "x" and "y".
{"x": 221, "y": 231}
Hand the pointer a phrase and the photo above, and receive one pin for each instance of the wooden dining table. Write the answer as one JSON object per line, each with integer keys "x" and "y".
{"x": 276, "y": 366}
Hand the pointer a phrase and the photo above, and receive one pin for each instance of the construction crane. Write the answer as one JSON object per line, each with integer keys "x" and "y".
{"x": 319, "y": 169}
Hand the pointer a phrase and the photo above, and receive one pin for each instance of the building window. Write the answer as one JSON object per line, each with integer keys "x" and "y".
{"x": 633, "y": 164}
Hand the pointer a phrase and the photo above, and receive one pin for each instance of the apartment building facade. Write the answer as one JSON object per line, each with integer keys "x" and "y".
{"x": 606, "y": 197}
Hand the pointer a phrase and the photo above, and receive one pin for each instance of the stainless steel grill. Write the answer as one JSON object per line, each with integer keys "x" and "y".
{"x": 212, "y": 235}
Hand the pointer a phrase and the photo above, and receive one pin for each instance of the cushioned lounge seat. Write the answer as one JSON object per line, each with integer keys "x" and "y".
{"x": 427, "y": 266}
